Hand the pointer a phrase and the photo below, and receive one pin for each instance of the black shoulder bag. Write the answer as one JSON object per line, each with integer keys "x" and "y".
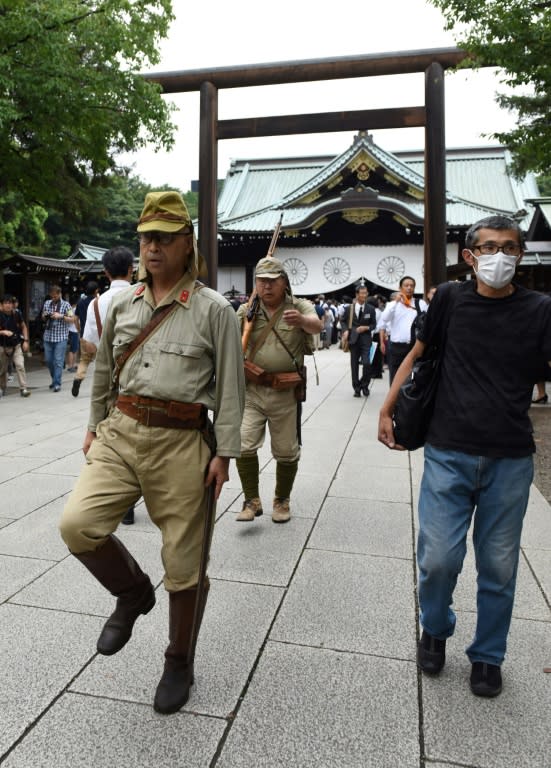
{"x": 415, "y": 404}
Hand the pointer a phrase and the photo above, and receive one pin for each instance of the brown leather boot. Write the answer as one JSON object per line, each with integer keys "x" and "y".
{"x": 173, "y": 688}
{"x": 115, "y": 569}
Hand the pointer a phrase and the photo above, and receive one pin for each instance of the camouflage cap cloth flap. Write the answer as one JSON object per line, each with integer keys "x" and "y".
{"x": 270, "y": 268}
{"x": 164, "y": 212}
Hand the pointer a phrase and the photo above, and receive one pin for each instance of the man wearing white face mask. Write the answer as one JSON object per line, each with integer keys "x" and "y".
{"x": 478, "y": 453}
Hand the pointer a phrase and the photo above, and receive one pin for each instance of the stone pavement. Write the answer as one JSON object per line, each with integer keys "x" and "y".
{"x": 306, "y": 657}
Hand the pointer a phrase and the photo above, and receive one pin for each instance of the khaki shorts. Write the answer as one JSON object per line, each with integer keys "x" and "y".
{"x": 167, "y": 467}
{"x": 278, "y": 409}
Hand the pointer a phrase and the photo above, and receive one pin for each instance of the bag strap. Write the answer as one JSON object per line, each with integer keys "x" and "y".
{"x": 351, "y": 316}
{"x": 143, "y": 335}
{"x": 265, "y": 331}
{"x": 98, "y": 318}
{"x": 286, "y": 348}
{"x": 440, "y": 340}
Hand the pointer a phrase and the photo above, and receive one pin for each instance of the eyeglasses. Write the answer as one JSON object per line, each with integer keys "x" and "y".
{"x": 489, "y": 249}
{"x": 163, "y": 238}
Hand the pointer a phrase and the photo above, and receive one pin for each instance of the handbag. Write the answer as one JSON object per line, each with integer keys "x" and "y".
{"x": 417, "y": 396}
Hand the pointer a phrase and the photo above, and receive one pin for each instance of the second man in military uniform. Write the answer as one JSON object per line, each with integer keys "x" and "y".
{"x": 277, "y": 335}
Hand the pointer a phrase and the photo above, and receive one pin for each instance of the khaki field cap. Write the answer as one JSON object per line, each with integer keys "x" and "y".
{"x": 164, "y": 212}
{"x": 270, "y": 267}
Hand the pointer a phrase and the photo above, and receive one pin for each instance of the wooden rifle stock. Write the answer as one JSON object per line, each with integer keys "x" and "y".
{"x": 254, "y": 301}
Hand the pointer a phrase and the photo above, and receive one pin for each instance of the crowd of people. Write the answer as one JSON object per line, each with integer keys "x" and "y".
{"x": 169, "y": 351}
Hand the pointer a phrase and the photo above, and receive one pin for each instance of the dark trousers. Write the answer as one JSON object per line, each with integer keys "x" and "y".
{"x": 395, "y": 356}
{"x": 359, "y": 355}
{"x": 377, "y": 364}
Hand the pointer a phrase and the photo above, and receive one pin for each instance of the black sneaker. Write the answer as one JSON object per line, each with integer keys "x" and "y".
{"x": 431, "y": 654}
{"x": 76, "y": 387}
{"x": 128, "y": 518}
{"x": 485, "y": 679}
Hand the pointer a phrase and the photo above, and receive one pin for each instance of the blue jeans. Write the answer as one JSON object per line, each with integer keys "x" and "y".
{"x": 54, "y": 357}
{"x": 454, "y": 484}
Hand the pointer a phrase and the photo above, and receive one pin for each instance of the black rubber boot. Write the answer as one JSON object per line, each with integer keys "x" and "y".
{"x": 115, "y": 568}
{"x": 177, "y": 678}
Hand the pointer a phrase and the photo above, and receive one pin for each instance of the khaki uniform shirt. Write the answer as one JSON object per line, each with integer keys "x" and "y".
{"x": 194, "y": 356}
{"x": 272, "y": 355}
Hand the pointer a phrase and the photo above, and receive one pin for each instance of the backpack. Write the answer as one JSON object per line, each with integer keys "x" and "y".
{"x": 419, "y": 322}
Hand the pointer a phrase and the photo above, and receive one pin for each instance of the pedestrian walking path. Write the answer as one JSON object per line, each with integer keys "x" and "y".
{"x": 306, "y": 657}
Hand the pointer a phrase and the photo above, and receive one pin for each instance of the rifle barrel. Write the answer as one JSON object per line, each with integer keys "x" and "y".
{"x": 254, "y": 300}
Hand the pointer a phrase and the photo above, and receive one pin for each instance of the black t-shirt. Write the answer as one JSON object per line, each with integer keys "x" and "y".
{"x": 81, "y": 310}
{"x": 493, "y": 355}
{"x": 9, "y": 322}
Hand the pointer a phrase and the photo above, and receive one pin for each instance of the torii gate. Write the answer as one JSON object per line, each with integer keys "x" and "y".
{"x": 209, "y": 81}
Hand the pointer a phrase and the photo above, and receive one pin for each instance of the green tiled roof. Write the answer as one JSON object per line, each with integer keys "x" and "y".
{"x": 478, "y": 184}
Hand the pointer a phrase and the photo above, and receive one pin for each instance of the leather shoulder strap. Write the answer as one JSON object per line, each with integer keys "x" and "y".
{"x": 264, "y": 334}
{"x": 98, "y": 318}
{"x": 144, "y": 334}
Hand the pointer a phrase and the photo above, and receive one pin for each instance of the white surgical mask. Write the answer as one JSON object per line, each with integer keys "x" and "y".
{"x": 496, "y": 270}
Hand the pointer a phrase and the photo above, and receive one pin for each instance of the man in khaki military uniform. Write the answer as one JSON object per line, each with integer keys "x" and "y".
{"x": 279, "y": 338}
{"x": 148, "y": 436}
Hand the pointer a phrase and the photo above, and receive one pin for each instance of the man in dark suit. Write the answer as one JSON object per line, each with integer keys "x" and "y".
{"x": 360, "y": 320}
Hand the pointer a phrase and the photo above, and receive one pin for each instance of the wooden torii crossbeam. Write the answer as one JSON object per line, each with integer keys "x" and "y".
{"x": 208, "y": 82}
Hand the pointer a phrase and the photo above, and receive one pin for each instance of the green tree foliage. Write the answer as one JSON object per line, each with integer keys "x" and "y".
{"x": 514, "y": 35}
{"x": 544, "y": 184}
{"x": 114, "y": 210}
{"x": 71, "y": 96}
{"x": 21, "y": 223}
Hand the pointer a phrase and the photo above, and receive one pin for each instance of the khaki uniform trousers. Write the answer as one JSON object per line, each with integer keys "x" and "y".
{"x": 277, "y": 408}
{"x": 87, "y": 355}
{"x": 19, "y": 363}
{"x": 166, "y": 466}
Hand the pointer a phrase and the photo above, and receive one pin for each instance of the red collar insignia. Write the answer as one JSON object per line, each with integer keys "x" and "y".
{"x": 139, "y": 290}
{"x": 184, "y": 296}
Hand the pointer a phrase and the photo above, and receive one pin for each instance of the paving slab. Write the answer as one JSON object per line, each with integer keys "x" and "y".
{"x": 306, "y": 656}
{"x": 309, "y": 491}
{"x": 71, "y": 465}
{"x": 64, "y": 445}
{"x": 368, "y": 527}
{"x": 350, "y": 602}
{"x": 312, "y": 708}
{"x": 236, "y": 623}
{"x": 17, "y": 572}
{"x": 539, "y": 561}
{"x": 529, "y": 600}
{"x": 26, "y": 492}
{"x": 381, "y": 483}
{"x": 36, "y": 534}
{"x": 537, "y": 523}
{"x": 260, "y": 552}
{"x": 510, "y": 730}
{"x": 44, "y": 432}
{"x": 10, "y": 467}
{"x": 104, "y": 733}
{"x": 41, "y": 652}
{"x": 69, "y": 587}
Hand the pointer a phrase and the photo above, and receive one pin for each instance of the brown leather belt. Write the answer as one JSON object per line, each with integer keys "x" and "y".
{"x": 163, "y": 413}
